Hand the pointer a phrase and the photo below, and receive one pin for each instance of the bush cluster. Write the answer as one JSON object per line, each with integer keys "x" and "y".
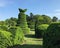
{"x": 17, "y": 35}
{"x": 51, "y": 38}
{"x": 40, "y": 30}
{"x": 3, "y": 27}
{"x": 5, "y": 39}
{"x": 13, "y": 36}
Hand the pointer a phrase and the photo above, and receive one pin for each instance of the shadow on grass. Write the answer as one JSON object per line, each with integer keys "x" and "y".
{"x": 26, "y": 46}
{"x": 30, "y": 36}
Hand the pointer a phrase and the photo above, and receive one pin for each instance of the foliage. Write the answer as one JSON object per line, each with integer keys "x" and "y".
{"x": 2, "y": 23}
{"x": 43, "y": 19}
{"x": 11, "y": 22}
{"x": 47, "y": 19}
{"x": 37, "y": 19}
{"x": 17, "y": 35}
{"x": 40, "y": 30}
{"x": 26, "y": 30}
{"x": 22, "y": 22}
{"x": 54, "y": 19}
{"x": 51, "y": 38}
{"x": 22, "y": 10}
{"x": 5, "y": 39}
{"x": 3, "y": 27}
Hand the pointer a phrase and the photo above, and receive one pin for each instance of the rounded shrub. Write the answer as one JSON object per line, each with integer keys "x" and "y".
{"x": 51, "y": 38}
{"x": 17, "y": 35}
{"x": 5, "y": 39}
{"x": 40, "y": 30}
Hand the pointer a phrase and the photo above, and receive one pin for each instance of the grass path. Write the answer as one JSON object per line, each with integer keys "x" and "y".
{"x": 31, "y": 41}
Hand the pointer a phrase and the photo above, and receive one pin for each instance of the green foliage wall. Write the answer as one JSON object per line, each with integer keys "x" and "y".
{"x": 51, "y": 38}
{"x": 40, "y": 30}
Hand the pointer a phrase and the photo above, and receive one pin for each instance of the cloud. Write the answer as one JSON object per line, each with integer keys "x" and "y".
{"x": 4, "y": 3}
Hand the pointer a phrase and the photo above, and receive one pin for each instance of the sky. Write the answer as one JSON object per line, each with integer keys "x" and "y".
{"x": 9, "y": 8}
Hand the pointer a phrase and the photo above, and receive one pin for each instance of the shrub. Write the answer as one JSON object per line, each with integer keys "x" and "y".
{"x": 5, "y": 39}
{"x": 3, "y": 27}
{"x": 51, "y": 38}
{"x": 40, "y": 30}
{"x": 17, "y": 35}
{"x": 26, "y": 30}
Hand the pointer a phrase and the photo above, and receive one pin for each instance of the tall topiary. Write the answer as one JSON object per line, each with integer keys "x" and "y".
{"x": 22, "y": 22}
{"x": 51, "y": 38}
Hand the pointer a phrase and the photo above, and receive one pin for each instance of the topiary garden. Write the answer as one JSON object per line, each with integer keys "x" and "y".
{"x": 14, "y": 32}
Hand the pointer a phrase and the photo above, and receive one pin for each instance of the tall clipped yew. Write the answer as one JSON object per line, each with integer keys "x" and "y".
{"x": 22, "y": 22}
{"x": 51, "y": 38}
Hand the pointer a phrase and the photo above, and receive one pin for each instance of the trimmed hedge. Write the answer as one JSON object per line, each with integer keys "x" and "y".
{"x": 40, "y": 30}
{"x": 17, "y": 35}
{"x": 5, "y": 39}
{"x": 51, "y": 38}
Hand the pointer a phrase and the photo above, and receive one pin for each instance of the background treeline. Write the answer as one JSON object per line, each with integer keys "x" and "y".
{"x": 31, "y": 20}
